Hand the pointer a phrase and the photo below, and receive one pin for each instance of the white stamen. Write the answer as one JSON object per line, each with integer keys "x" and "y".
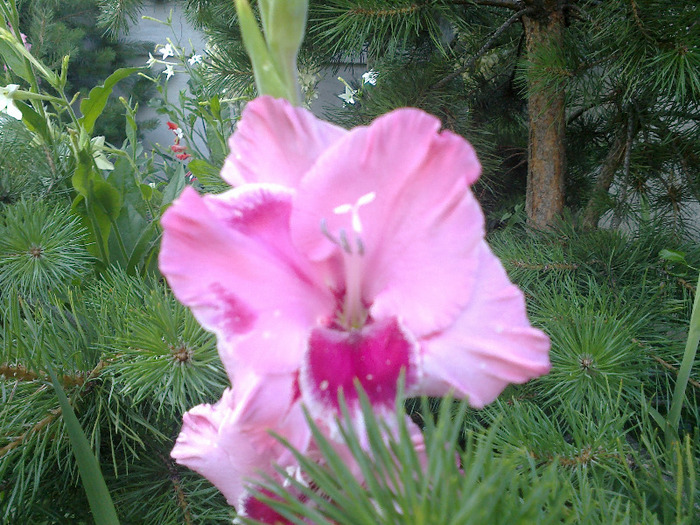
{"x": 323, "y": 385}
{"x": 369, "y": 377}
{"x": 366, "y": 199}
{"x": 354, "y": 209}
{"x": 354, "y": 314}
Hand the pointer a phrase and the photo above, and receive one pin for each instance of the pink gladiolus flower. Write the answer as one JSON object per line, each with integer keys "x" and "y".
{"x": 183, "y": 156}
{"x": 229, "y": 442}
{"x": 177, "y": 148}
{"x": 341, "y": 256}
{"x": 351, "y": 255}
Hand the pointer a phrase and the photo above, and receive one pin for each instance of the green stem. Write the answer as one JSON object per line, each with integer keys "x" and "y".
{"x": 99, "y": 240}
{"x": 14, "y": 15}
{"x": 120, "y": 241}
{"x": 691, "y": 348}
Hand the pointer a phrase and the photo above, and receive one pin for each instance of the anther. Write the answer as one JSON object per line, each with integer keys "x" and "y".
{"x": 328, "y": 235}
{"x": 360, "y": 247}
{"x": 344, "y": 243}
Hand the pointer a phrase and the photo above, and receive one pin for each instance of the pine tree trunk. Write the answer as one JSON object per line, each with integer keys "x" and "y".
{"x": 546, "y": 150}
{"x": 613, "y": 159}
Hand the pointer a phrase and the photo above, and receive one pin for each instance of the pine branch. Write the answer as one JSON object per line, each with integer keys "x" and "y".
{"x": 22, "y": 373}
{"x": 395, "y": 11}
{"x": 631, "y": 131}
{"x": 49, "y": 418}
{"x": 177, "y": 486}
{"x": 487, "y": 45}
{"x": 673, "y": 369}
{"x": 508, "y": 4}
{"x": 586, "y": 456}
{"x": 544, "y": 267}
{"x": 36, "y": 428}
{"x": 610, "y": 165}
{"x": 638, "y": 22}
{"x": 116, "y": 15}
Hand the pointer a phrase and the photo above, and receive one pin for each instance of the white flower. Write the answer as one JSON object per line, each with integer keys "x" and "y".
{"x": 195, "y": 59}
{"x": 151, "y": 60}
{"x": 178, "y": 133}
{"x": 7, "y": 102}
{"x": 169, "y": 72}
{"x": 370, "y": 77}
{"x": 349, "y": 95}
{"x": 167, "y": 51}
{"x": 98, "y": 144}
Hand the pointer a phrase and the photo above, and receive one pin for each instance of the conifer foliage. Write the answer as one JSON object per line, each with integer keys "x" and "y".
{"x": 609, "y": 91}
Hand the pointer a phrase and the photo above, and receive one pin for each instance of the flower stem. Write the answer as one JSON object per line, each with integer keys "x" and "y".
{"x": 691, "y": 348}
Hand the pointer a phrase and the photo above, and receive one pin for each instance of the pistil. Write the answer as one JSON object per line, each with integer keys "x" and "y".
{"x": 354, "y": 313}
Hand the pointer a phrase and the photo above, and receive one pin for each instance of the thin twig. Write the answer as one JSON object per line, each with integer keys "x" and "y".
{"x": 36, "y": 428}
{"x": 489, "y": 43}
{"x": 544, "y": 267}
{"x": 685, "y": 284}
{"x": 669, "y": 366}
{"x": 22, "y": 373}
{"x": 403, "y": 10}
{"x": 617, "y": 217}
{"x": 181, "y": 498}
{"x": 508, "y": 4}
{"x": 53, "y": 414}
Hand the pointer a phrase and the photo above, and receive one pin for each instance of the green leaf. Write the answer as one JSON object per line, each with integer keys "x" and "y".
{"x": 107, "y": 197}
{"x": 83, "y": 173}
{"x": 101, "y": 504}
{"x": 33, "y": 120}
{"x": 216, "y": 107}
{"x": 146, "y": 191}
{"x": 146, "y": 242}
{"x": 673, "y": 256}
{"x": 15, "y": 62}
{"x": 174, "y": 187}
{"x": 92, "y": 106}
{"x": 203, "y": 170}
{"x": 97, "y": 223}
{"x": 691, "y": 349}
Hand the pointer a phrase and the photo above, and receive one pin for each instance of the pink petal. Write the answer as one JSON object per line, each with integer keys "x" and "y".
{"x": 490, "y": 345}
{"x": 229, "y": 442}
{"x": 229, "y": 258}
{"x": 276, "y": 142}
{"x": 254, "y": 509}
{"x": 420, "y": 230}
{"x": 374, "y": 355}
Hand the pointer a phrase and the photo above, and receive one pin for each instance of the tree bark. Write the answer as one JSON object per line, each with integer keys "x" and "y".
{"x": 547, "y": 121}
{"x": 613, "y": 159}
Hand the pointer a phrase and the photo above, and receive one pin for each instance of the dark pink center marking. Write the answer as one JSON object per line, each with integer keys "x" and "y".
{"x": 374, "y": 354}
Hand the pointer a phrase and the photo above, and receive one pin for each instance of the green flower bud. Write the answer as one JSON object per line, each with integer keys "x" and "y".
{"x": 274, "y": 55}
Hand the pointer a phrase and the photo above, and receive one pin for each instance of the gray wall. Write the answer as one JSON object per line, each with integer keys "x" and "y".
{"x": 185, "y": 35}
